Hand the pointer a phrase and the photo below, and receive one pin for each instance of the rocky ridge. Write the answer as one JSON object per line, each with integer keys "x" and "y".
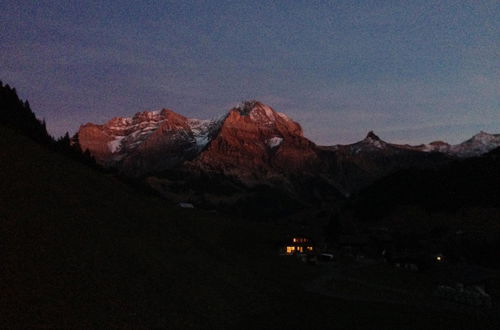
{"x": 255, "y": 144}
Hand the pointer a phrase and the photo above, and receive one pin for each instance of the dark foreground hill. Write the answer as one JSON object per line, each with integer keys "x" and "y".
{"x": 80, "y": 249}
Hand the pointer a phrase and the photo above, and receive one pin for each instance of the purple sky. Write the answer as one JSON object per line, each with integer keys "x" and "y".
{"x": 413, "y": 71}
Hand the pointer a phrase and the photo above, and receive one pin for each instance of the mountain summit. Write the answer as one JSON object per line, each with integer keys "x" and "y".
{"x": 477, "y": 145}
{"x": 372, "y": 136}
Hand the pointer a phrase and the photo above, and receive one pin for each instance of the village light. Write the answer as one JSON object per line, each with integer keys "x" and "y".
{"x": 299, "y": 245}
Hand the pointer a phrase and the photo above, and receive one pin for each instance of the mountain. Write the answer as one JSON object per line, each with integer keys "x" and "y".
{"x": 251, "y": 156}
{"x": 251, "y": 140}
{"x": 478, "y": 145}
{"x": 355, "y": 166}
{"x": 147, "y": 142}
{"x": 256, "y": 143}
{"x": 252, "y": 146}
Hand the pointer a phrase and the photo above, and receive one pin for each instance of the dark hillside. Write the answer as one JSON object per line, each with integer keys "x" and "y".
{"x": 456, "y": 208}
{"x": 472, "y": 182}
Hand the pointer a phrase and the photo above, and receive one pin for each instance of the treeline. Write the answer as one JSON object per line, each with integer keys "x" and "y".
{"x": 18, "y": 116}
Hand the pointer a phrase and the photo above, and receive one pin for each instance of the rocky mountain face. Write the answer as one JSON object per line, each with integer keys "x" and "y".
{"x": 148, "y": 142}
{"x": 251, "y": 142}
{"x": 256, "y": 145}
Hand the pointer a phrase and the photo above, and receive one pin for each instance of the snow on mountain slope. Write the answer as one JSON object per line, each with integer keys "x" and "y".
{"x": 371, "y": 144}
{"x": 274, "y": 141}
{"x": 261, "y": 114}
{"x": 253, "y": 140}
{"x": 203, "y": 130}
{"x": 129, "y": 133}
{"x": 145, "y": 132}
{"x": 479, "y": 144}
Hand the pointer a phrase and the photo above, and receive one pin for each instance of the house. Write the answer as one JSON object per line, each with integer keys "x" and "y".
{"x": 299, "y": 245}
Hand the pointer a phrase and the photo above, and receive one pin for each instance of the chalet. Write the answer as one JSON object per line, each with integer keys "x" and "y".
{"x": 299, "y": 245}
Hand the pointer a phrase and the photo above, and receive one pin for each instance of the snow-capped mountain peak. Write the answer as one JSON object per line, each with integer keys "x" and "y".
{"x": 372, "y": 136}
{"x": 477, "y": 145}
{"x": 483, "y": 137}
{"x": 124, "y": 137}
{"x": 373, "y": 140}
{"x": 260, "y": 113}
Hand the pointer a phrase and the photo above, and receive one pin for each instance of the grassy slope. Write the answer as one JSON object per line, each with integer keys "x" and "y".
{"x": 81, "y": 249}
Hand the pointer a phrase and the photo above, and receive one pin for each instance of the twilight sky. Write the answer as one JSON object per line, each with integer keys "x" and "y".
{"x": 413, "y": 71}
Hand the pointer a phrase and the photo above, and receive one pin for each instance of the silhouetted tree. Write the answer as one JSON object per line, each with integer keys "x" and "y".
{"x": 18, "y": 116}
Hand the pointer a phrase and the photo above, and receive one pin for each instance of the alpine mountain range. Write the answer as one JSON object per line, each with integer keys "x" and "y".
{"x": 254, "y": 145}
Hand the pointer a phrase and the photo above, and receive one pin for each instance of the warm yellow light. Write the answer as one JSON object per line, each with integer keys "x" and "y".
{"x": 438, "y": 258}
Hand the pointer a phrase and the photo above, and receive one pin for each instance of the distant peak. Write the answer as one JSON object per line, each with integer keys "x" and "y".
{"x": 245, "y": 107}
{"x": 165, "y": 112}
{"x": 372, "y": 136}
{"x": 482, "y": 133}
{"x": 482, "y": 138}
{"x": 259, "y": 112}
